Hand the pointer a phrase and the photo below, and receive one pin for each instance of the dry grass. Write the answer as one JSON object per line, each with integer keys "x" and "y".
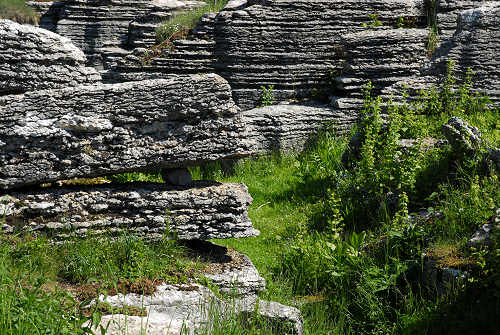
{"x": 17, "y": 11}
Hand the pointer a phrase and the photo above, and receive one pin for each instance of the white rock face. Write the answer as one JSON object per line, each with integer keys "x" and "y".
{"x": 173, "y": 309}
{"x": 33, "y": 59}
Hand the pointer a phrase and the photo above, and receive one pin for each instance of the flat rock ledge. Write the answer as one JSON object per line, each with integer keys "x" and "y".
{"x": 205, "y": 210}
{"x": 91, "y": 131}
{"x": 34, "y": 59}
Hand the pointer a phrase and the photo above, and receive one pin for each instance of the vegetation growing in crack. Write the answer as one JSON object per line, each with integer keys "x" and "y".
{"x": 178, "y": 27}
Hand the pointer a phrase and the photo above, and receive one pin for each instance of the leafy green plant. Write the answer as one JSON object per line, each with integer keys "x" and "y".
{"x": 374, "y": 21}
{"x": 267, "y": 95}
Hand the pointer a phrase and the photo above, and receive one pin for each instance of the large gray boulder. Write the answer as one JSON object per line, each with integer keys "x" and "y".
{"x": 98, "y": 130}
{"x": 34, "y": 59}
{"x": 205, "y": 210}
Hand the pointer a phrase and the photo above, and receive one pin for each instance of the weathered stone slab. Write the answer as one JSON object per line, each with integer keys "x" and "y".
{"x": 32, "y": 59}
{"x": 173, "y": 310}
{"x": 204, "y": 210}
{"x": 91, "y": 131}
{"x": 289, "y": 127}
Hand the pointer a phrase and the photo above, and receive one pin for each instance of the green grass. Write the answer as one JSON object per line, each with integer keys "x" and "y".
{"x": 179, "y": 25}
{"x": 16, "y": 10}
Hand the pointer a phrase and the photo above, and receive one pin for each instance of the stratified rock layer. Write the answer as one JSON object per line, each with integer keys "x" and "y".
{"x": 475, "y": 45}
{"x": 32, "y": 59}
{"x": 97, "y": 130}
{"x": 94, "y": 24}
{"x": 448, "y": 12}
{"x": 381, "y": 56}
{"x": 204, "y": 210}
{"x": 290, "y": 127}
{"x": 293, "y": 45}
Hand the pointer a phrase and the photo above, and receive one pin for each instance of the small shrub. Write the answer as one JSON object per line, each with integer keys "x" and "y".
{"x": 267, "y": 95}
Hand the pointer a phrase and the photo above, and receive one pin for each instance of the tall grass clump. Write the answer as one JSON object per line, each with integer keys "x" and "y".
{"x": 179, "y": 25}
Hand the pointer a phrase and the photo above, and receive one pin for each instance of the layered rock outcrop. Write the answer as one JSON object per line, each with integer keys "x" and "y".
{"x": 382, "y": 56}
{"x": 35, "y": 59}
{"x": 97, "y": 130}
{"x": 293, "y": 45}
{"x": 204, "y": 210}
{"x": 94, "y": 130}
{"x": 291, "y": 127}
{"x": 94, "y": 24}
{"x": 448, "y": 11}
{"x": 474, "y": 46}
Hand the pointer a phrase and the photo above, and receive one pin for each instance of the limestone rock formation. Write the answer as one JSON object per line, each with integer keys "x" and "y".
{"x": 448, "y": 11}
{"x": 204, "y": 210}
{"x": 94, "y": 24}
{"x": 35, "y": 59}
{"x": 461, "y": 136}
{"x": 475, "y": 45}
{"x": 195, "y": 307}
{"x": 97, "y": 130}
{"x": 382, "y": 56}
{"x": 290, "y": 127}
{"x": 293, "y": 45}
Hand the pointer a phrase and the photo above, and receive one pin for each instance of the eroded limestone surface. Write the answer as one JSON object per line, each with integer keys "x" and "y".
{"x": 35, "y": 59}
{"x": 204, "y": 210}
{"x": 97, "y": 130}
{"x": 291, "y": 127}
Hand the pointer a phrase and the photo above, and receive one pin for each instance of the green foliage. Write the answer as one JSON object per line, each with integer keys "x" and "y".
{"x": 449, "y": 99}
{"x": 125, "y": 258}
{"x": 136, "y": 176}
{"x": 374, "y": 21}
{"x": 267, "y": 95}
